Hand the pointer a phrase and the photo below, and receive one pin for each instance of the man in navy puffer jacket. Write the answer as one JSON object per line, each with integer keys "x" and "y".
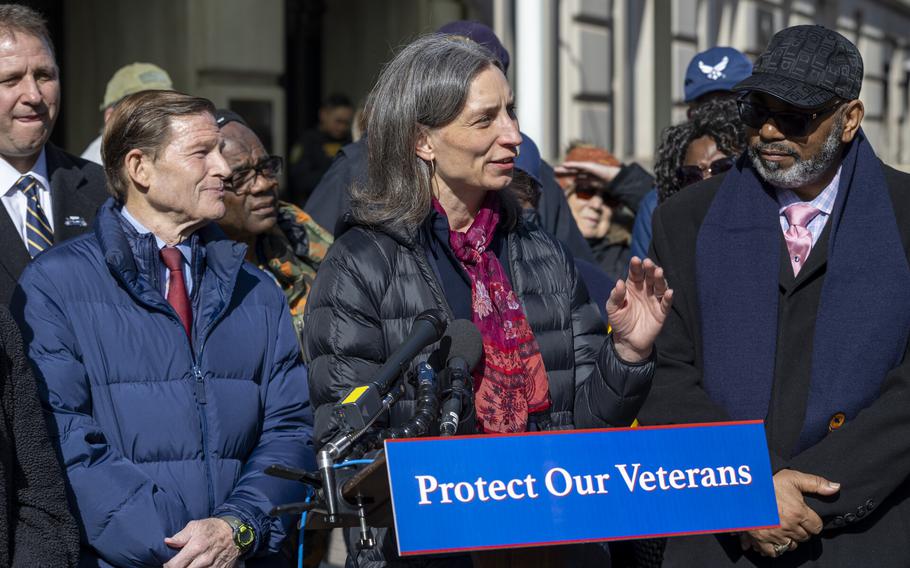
{"x": 170, "y": 365}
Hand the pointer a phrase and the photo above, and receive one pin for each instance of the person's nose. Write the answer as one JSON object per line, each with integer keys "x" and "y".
{"x": 263, "y": 183}
{"x": 510, "y": 136}
{"x": 596, "y": 202}
{"x": 770, "y": 131}
{"x": 30, "y": 94}
{"x": 218, "y": 165}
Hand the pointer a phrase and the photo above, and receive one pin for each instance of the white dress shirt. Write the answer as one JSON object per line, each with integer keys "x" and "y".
{"x": 16, "y": 202}
{"x": 824, "y": 202}
{"x": 92, "y": 152}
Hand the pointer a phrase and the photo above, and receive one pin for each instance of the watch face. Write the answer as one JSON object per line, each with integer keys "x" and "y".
{"x": 244, "y": 536}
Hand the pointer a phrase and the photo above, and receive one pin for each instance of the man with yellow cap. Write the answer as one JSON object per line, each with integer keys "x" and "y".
{"x": 129, "y": 79}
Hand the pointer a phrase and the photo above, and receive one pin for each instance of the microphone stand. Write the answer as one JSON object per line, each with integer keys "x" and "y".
{"x": 338, "y": 447}
{"x": 337, "y": 510}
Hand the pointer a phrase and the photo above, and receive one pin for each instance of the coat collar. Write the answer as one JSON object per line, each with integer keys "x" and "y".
{"x": 217, "y": 261}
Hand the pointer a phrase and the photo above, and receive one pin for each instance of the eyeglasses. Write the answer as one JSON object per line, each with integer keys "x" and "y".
{"x": 790, "y": 123}
{"x": 687, "y": 175}
{"x": 270, "y": 168}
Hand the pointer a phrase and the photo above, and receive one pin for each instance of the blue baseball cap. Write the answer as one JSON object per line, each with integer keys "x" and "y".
{"x": 717, "y": 69}
{"x": 528, "y": 159}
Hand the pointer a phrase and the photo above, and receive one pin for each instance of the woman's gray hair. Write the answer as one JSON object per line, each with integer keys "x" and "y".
{"x": 425, "y": 86}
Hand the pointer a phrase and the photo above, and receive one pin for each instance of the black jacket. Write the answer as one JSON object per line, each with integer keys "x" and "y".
{"x": 37, "y": 528}
{"x": 331, "y": 198}
{"x": 77, "y": 189}
{"x": 865, "y": 524}
{"x": 374, "y": 283}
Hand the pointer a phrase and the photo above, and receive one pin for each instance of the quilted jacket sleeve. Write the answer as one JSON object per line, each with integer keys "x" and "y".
{"x": 286, "y": 439}
{"x": 344, "y": 345}
{"x": 125, "y": 516}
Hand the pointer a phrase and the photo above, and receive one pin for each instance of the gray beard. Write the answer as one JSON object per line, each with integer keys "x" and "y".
{"x": 803, "y": 171}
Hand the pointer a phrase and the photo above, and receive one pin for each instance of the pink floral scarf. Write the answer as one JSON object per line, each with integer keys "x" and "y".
{"x": 510, "y": 382}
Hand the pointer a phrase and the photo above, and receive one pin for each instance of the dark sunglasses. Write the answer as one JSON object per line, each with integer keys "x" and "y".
{"x": 791, "y": 123}
{"x": 269, "y": 168}
{"x": 586, "y": 192}
{"x": 687, "y": 175}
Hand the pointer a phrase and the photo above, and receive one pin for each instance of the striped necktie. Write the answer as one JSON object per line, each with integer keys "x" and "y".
{"x": 38, "y": 233}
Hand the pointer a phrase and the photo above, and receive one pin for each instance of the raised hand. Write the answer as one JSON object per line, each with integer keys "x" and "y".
{"x": 604, "y": 172}
{"x": 637, "y": 308}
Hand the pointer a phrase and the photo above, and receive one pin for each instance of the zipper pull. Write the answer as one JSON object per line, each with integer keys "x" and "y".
{"x": 199, "y": 386}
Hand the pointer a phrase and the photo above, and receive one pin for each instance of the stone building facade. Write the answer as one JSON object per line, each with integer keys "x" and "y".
{"x": 621, "y": 63}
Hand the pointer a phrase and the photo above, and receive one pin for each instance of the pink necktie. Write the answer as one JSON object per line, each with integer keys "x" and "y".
{"x": 798, "y": 237}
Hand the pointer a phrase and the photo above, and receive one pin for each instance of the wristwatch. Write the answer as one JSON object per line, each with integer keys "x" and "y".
{"x": 244, "y": 535}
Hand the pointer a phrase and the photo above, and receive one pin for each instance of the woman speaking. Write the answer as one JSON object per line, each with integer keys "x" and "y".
{"x": 436, "y": 227}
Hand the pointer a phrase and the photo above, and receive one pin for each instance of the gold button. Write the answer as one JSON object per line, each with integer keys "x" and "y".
{"x": 836, "y": 421}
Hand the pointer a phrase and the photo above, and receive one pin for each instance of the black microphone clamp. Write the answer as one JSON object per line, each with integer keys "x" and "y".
{"x": 460, "y": 389}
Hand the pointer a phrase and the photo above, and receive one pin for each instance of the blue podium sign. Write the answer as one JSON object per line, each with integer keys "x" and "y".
{"x": 502, "y": 491}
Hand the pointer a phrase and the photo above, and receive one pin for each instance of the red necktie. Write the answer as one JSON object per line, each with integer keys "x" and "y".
{"x": 176, "y": 287}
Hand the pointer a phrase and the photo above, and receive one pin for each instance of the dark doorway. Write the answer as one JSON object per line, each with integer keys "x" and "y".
{"x": 303, "y": 57}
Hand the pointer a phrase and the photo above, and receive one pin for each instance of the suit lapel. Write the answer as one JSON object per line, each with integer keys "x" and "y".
{"x": 15, "y": 256}
{"x": 67, "y": 200}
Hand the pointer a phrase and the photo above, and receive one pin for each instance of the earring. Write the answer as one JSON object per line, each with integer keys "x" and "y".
{"x": 517, "y": 151}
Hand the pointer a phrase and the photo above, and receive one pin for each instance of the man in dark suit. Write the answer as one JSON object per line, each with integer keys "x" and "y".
{"x": 48, "y": 195}
{"x": 792, "y": 305}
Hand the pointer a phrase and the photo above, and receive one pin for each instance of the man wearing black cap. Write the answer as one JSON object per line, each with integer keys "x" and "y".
{"x": 780, "y": 314}
{"x": 281, "y": 239}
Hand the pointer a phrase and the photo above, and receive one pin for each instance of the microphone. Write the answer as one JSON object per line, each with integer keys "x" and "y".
{"x": 427, "y": 328}
{"x": 465, "y": 348}
{"x": 362, "y": 404}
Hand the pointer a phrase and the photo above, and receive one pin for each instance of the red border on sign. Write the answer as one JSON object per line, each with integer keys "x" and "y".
{"x": 585, "y": 431}
{"x": 581, "y": 541}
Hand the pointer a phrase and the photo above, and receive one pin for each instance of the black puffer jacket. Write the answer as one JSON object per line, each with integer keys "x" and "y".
{"x": 374, "y": 282}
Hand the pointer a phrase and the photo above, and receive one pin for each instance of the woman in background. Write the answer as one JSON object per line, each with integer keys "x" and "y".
{"x": 689, "y": 152}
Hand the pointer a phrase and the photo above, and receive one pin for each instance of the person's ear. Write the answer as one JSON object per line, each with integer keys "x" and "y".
{"x": 853, "y": 117}
{"x": 138, "y": 168}
{"x": 424, "y": 148}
